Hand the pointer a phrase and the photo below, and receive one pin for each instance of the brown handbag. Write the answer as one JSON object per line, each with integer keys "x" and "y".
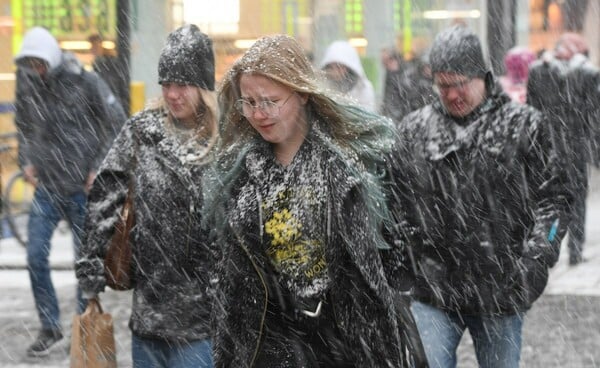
{"x": 118, "y": 259}
{"x": 92, "y": 338}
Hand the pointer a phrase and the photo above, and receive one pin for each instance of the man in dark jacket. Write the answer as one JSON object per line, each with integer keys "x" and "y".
{"x": 66, "y": 119}
{"x": 484, "y": 204}
{"x": 563, "y": 84}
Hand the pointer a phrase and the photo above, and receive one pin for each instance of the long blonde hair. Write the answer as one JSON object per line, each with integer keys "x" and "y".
{"x": 281, "y": 59}
{"x": 207, "y": 116}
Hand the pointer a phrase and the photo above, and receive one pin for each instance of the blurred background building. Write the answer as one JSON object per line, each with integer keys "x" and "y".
{"x": 135, "y": 30}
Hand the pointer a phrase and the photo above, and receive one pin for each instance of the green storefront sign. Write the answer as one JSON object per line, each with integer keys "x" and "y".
{"x": 65, "y": 19}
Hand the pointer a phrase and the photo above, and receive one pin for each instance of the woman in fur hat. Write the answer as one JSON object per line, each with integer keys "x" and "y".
{"x": 161, "y": 154}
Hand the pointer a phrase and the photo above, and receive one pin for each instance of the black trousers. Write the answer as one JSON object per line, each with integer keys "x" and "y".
{"x": 576, "y": 227}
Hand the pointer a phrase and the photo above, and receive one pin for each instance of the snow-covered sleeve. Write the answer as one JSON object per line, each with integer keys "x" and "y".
{"x": 403, "y": 195}
{"x": 548, "y": 185}
{"x": 25, "y": 124}
{"x": 105, "y": 203}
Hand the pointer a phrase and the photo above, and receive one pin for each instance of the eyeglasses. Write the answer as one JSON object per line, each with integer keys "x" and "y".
{"x": 269, "y": 108}
{"x": 444, "y": 88}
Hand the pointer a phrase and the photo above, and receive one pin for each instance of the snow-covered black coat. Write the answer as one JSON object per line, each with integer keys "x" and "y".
{"x": 406, "y": 90}
{"x": 171, "y": 259}
{"x": 66, "y": 123}
{"x": 568, "y": 93}
{"x": 360, "y": 296}
{"x": 486, "y": 205}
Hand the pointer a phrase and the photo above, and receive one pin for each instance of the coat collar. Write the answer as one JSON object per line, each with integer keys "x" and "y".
{"x": 449, "y": 134}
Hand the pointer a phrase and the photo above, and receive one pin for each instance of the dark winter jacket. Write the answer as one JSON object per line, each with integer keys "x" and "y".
{"x": 360, "y": 296}
{"x": 171, "y": 258}
{"x": 567, "y": 92}
{"x": 109, "y": 69}
{"x": 66, "y": 124}
{"x": 486, "y": 204}
{"x": 406, "y": 90}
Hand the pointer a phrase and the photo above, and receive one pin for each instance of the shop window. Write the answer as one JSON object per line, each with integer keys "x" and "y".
{"x": 353, "y": 12}
{"x": 213, "y": 20}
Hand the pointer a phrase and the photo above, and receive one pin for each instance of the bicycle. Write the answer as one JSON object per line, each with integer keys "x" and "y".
{"x": 16, "y": 201}
{"x": 17, "y": 196}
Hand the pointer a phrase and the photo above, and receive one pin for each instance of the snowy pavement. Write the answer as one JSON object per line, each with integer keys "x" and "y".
{"x": 19, "y": 322}
{"x": 583, "y": 279}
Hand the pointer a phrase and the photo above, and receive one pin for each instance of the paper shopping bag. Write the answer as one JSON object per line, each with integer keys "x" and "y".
{"x": 92, "y": 338}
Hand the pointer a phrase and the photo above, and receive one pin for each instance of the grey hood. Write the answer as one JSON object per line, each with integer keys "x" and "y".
{"x": 344, "y": 53}
{"x": 39, "y": 43}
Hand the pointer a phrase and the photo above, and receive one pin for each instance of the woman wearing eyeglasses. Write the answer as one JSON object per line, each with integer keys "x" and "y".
{"x": 297, "y": 209}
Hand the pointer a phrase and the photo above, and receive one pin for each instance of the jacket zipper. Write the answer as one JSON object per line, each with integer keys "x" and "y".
{"x": 329, "y": 241}
{"x": 260, "y": 276}
{"x": 189, "y": 229}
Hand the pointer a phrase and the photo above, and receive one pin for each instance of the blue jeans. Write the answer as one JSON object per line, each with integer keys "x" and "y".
{"x": 156, "y": 353}
{"x": 497, "y": 340}
{"x": 47, "y": 210}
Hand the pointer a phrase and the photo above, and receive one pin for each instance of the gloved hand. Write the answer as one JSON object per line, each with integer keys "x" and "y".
{"x": 90, "y": 275}
{"x": 541, "y": 252}
{"x": 527, "y": 281}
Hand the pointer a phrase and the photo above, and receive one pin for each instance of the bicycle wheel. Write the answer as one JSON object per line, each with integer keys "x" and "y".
{"x": 17, "y": 204}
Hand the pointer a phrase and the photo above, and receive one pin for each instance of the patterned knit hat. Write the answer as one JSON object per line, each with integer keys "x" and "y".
{"x": 517, "y": 61}
{"x": 458, "y": 50}
{"x": 188, "y": 58}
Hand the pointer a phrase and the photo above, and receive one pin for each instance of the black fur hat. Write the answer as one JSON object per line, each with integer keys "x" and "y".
{"x": 188, "y": 58}
{"x": 458, "y": 50}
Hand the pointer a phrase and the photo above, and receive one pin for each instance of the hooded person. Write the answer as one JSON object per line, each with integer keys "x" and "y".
{"x": 158, "y": 160}
{"x": 485, "y": 206}
{"x": 346, "y": 75}
{"x": 66, "y": 120}
{"x": 564, "y": 85}
{"x": 39, "y": 43}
